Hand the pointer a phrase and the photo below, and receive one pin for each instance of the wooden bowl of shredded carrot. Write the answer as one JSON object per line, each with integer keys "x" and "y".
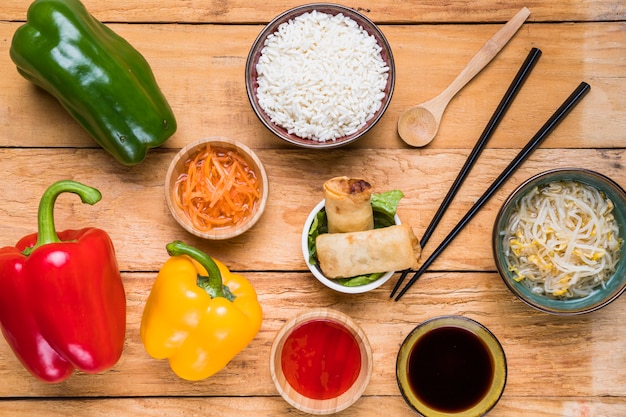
{"x": 216, "y": 188}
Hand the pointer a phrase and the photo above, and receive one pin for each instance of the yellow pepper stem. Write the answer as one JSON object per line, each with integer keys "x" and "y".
{"x": 213, "y": 283}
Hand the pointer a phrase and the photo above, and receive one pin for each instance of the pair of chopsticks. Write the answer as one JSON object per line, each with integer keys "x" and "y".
{"x": 503, "y": 106}
{"x": 534, "y": 142}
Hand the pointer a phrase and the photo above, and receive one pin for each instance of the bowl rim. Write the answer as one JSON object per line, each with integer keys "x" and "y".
{"x": 317, "y": 272}
{"x": 220, "y": 234}
{"x": 268, "y": 29}
{"x": 329, "y": 406}
{"x": 491, "y": 342}
{"x": 555, "y": 306}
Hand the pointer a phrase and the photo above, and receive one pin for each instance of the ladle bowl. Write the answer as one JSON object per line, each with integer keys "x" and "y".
{"x": 419, "y": 125}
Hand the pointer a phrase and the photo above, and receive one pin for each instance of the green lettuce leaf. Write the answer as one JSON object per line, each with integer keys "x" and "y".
{"x": 385, "y": 206}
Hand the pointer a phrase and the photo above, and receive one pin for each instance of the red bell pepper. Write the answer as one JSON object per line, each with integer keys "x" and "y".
{"x": 62, "y": 300}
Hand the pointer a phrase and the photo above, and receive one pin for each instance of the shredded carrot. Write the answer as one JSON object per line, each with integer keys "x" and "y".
{"x": 217, "y": 189}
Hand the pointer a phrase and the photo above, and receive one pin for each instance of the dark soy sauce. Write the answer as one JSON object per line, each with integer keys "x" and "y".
{"x": 450, "y": 369}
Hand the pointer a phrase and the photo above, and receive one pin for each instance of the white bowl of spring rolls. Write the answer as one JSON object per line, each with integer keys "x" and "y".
{"x": 353, "y": 241}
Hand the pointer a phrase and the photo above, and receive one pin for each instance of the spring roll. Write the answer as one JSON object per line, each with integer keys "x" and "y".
{"x": 343, "y": 255}
{"x": 348, "y": 207}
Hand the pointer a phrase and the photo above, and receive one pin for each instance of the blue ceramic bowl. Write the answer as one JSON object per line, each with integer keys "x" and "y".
{"x": 600, "y": 297}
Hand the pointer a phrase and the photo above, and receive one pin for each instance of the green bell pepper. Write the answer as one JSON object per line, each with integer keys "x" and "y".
{"x": 98, "y": 77}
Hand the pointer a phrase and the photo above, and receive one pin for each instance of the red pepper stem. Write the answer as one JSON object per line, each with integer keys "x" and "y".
{"x": 45, "y": 217}
{"x": 214, "y": 286}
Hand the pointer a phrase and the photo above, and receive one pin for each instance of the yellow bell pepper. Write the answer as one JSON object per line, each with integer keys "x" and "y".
{"x": 198, "y": 315}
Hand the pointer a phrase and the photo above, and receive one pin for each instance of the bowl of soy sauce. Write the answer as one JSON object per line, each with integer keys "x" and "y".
{"x": 451, "y": 366}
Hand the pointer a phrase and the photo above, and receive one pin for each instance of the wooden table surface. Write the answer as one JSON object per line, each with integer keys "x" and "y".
{"x": 557, "y": 366}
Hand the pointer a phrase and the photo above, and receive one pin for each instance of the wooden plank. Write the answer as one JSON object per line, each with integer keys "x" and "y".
{"x": 133, "y": 210}
{"x": 203, "y": 78}
{"x": 384, "y": 11}
{"x": 272, "y": 406}
{"x": 568, "y": 355}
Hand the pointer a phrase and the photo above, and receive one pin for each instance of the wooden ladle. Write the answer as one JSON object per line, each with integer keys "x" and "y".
{"x": 419, "y": 124}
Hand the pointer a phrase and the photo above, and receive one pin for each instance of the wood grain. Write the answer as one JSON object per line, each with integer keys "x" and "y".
{"x": 202, "y": 77}
{"x": 139, "y": 223}
{"x": 382, "y": 11}
{"x": 273, "y": 406}
{"x": 557, "y": 366}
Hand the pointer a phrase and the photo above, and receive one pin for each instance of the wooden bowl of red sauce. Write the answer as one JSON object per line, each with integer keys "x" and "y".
{"x": 216, "y": 188}
{"x": 321, "y": 361}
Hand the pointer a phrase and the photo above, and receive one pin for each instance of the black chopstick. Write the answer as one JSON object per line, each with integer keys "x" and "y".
{"x": 504, "y": 105}
{"x": 546, "y": 129}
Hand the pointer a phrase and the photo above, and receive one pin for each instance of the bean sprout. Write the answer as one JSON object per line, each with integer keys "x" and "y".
{"x": 562, "y": 240}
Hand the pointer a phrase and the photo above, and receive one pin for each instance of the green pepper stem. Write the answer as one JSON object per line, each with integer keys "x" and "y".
{"x": 214, "y": 286}
{"x": 46, "y": 232}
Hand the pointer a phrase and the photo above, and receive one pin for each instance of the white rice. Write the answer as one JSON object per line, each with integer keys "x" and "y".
{"x": 321, "y": 76}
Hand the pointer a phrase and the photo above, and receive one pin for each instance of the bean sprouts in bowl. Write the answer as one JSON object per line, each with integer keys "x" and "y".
{"x": 320, "y": 75}
{"x": 558, "y": 241}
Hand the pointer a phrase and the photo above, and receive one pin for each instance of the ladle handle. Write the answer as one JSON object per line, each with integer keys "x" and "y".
{"x": 485, "y": 54}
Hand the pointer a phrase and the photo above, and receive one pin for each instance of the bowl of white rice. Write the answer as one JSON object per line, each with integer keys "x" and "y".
{"x": 320, "y": 75}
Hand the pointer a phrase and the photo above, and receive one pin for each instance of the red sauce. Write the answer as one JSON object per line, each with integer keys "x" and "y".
{"x": 321, "y": 359}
